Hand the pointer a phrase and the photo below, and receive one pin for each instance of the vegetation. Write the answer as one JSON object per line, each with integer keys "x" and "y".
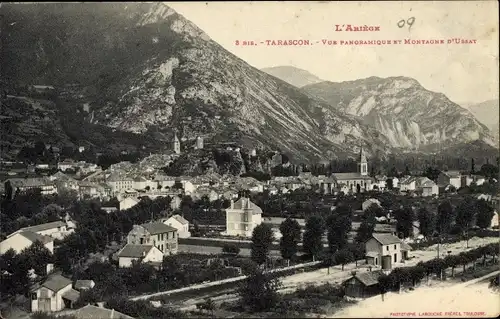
{"x": 291, "y": 236}
{"x": 313, "y": 236}
{"x": 259, "y": 292}
{"x": 262, "y": 239}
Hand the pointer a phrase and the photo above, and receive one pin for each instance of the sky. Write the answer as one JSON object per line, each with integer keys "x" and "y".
{"x": 466, "y": 73}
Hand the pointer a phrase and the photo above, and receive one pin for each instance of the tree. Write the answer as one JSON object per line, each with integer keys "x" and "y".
{"x": 404, "y": 218}
{"x": 343, "y": 257}
{"x": 466, "y": 211}
{"x": 367, "y": 225}
{"x": 259, "y": 291}
{"x": 485, "y": 213}
{"x": 426, "y": 221}
{"x": 262, "y": 239}
{"x": 472, "y": 167}
{"x": 445, "y": 217}
{"x": 313, "y": 236}
{"x": 451, "y": 261}
{"x": 37, "y": 256}
{"x": 389, "y": 183}
{"x": 339, "y": 224}
{"x": 384, "y": 284}
{"x": 291, "y": 235}
{"x": 231, "y": 249}
{"x": 432, "y": 173}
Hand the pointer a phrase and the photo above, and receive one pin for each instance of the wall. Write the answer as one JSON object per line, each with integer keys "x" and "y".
{"x": 154, "y": 255}
{"x": 125, "y": 262}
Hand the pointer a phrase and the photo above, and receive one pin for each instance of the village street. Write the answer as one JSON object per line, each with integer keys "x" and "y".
{"x": 336, "y": 275}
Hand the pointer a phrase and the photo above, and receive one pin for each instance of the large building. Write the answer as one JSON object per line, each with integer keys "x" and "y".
{"x": 157, "y": 234}
{"x": 358, "y": 181}
{"x": 242, "y": 217}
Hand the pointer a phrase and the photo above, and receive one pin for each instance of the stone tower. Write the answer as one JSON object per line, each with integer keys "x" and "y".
{"x": 199, "y": 142}
{"x": 177, "y": 144}
{"x": 362, "y": 163}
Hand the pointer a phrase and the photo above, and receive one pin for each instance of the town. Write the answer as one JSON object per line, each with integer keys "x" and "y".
{"x": 79, "y": 239}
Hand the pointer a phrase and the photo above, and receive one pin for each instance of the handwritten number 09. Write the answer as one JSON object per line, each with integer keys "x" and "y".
{"x": 409, "y": 22}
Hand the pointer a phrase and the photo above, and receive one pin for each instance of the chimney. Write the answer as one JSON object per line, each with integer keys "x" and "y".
{"x": 112, "y": 313}
{"x": 232, "y": 204}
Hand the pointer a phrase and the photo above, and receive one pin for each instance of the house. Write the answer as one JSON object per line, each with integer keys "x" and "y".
{"x": 362, "y": 284}
{"x": 46, "y": 186}
{"x": 64, "y": 181}
{"x": 408, "y": 183}
{"x": 242, "y": 217}
{"x": 128, "y": 202}
{"x": 141, "y": 182}
{"x": 429, "y": 188}
{"x": 479, "y": 180}
{"x": 66, "y": 164}
{"x": 56, "y": 230}
{"x": 180, "y": 223}
{"x": 384, "y": 250}
{"x": 453, "y": 178}
{"x": 95, "y": 312}
{"x": 370, "y": 201}
{"x": 145, "y": 253}
{"x": 380, "y": 182}
{"x": 120, "y": 183}
{"x": 162, "y": 236}
{"x": 87, "y": 189}
{"x": 53, "y": 294}
{"x": 84, "y": 285}
{"x": 205, "y": 191}
{"x": 24, "y": 239}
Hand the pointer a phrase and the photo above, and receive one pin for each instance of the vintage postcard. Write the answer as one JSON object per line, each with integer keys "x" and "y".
{"x": 311, "y": 159}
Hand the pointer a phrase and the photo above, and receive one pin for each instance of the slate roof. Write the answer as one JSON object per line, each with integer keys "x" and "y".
{"x": 349, "y": 176}
{"x": 71, "y": 294}
{"x": 134, "y": 251}
{"x": 386, "y": 239}
{"x": 83, "y": 284}
{"x": 405, "y": 246}
{"x": 158, "y": 228}
{"x": 180, "y": 219}
{"x": 243, "y": 203}
{"x": 368, "y": 278}
{"x": 33, "y": 237}
{"x": 56, "y": 282}
{"x": 43, "y": 227}
{"x": 452, "y": 174}
{"x": 93, "y": 312}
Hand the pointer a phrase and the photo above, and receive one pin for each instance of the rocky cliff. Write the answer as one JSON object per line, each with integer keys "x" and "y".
{"x": 407, "y": 114}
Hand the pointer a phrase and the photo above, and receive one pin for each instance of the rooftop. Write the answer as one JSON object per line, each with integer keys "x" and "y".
{"x": 93, "y": 312}
{"x": 368, "y": 278}
{"x": 33, "y": 237}
{"x": 43, "y": 227}
{"x": 245, "y": 203}
{"x": 349, "y": 176}
{"x": 134, "y": 251}
{"x": 55, "y": 283}
{"x": 158, "y": 228}
{"x": 386, "y": 239}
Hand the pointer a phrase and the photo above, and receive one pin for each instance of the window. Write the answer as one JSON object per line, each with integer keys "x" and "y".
{"x": 395, "y": 257}
{"x": 387, "y": 248}
{"x": 376, "y": 261}
{"x": 34, "y": 296}
{"x": 394, "y": 246}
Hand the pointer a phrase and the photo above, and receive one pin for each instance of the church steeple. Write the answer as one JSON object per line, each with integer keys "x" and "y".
{"x": 362, "y": 163}
{"x": 177, "y": 144}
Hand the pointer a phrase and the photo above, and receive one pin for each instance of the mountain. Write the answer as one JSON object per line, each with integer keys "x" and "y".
{"x": 487, "y": 113}
{"x": 410, "y": 116}
{"x": 292, "y": 75}
{"x": 143, "y": 68}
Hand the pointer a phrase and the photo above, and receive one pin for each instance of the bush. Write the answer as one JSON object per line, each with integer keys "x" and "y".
{"x": 231, "y": 249}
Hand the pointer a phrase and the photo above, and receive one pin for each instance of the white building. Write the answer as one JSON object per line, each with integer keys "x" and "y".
{"x": 145, "y": 253}
{"x": 22, "y": 240}
{"x": 180, "y": 223}
{"x": 453, "y": 178}
{"x": 56, "y": 230}
{"x": 54, "y": 294}
{"x": 242, "y": 217}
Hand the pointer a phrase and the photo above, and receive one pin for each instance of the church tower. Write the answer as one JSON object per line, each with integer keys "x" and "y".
{"x": 362, "y": 163}
{"x": 177, "y": 144}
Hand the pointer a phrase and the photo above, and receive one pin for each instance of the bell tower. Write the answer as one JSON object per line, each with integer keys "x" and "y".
{"x": 362, "y": 163}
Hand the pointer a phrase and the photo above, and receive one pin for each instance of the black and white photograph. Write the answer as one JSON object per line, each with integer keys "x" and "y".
{"x": 309, "y": 159}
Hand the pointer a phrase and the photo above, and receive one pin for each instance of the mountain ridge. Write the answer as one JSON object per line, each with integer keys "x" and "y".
{"x": 292, "y": 75}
